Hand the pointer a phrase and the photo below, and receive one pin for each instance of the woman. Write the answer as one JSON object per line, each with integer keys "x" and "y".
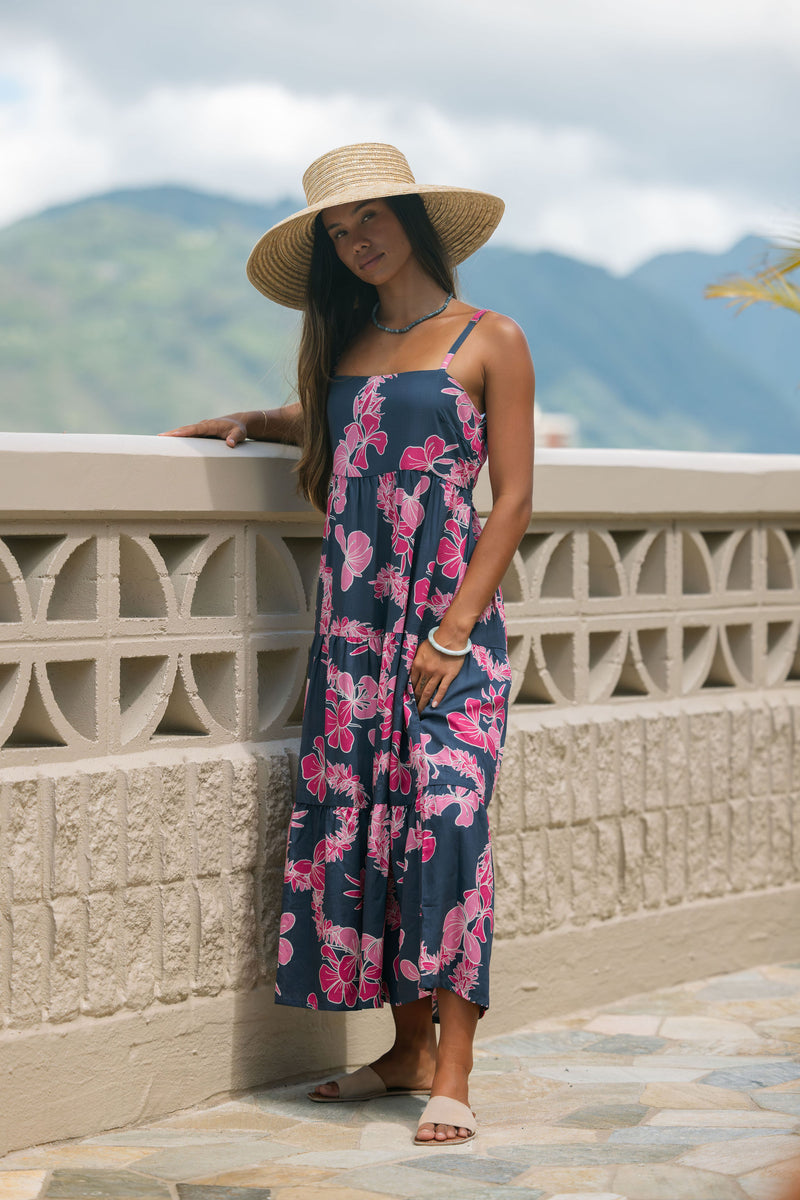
{"x": 388, "y": 883}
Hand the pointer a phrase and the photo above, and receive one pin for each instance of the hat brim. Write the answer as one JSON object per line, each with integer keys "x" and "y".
{"x": 280, "y": 261}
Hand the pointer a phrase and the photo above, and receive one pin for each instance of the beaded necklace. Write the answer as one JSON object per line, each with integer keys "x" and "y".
{"x": 418, "y": 321}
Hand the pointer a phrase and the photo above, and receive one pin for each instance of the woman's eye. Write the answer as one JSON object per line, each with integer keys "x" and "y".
{"x": 366, "y": 216}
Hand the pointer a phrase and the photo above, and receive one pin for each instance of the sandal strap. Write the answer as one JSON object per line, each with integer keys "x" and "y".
{"x": 360, "y": 1082}
{"x": 441, "y": 1110}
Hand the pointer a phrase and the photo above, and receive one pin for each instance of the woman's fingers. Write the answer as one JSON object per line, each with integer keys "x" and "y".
{"x": 233, "y": 432}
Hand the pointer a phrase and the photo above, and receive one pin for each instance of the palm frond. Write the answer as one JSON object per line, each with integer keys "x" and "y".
{"x": 770, "y": 285}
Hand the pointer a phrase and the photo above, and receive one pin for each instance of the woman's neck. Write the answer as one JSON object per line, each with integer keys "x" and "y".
{"x": 408, "y": 296}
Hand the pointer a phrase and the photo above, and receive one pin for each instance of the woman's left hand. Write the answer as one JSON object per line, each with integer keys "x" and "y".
{"x": 432, "y": 673}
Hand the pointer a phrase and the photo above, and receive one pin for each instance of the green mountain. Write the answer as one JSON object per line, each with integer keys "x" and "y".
{"x": 131, "y": 312}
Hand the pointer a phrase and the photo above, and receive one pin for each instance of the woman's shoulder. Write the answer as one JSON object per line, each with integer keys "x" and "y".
{"x": 499, "y": 333}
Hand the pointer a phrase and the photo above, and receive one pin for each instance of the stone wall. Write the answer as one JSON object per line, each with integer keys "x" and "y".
{"x": 156, "y": 601}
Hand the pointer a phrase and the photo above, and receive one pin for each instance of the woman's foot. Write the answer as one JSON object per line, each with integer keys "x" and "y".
{"x": 451, "y": 1081}
{"x": 398, "y": 1069}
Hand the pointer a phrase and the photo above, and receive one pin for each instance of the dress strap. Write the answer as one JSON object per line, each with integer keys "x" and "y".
{"x": 462, "y": 337}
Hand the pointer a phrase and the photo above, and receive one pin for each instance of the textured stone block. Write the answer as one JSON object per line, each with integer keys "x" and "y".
{"x": 244, "y": 816}
{"x": 28, "y": 925}
{"x": 718, "y": 848}
{"x": 760, "y": 749}
{"x": 677, "y": 759}
{"x": 557, "y": 780}
{"x": 508, "y": 873}
{"x": 584, "y": 780}
{"x": 142, "y": 800}
{"x": 210, "y": 970}
{"x": 780, "y": 841}
{"x": 24, "y": 844}
{"x": 69, "y": 935}
{"x": 739, "y": 851}
{"x": 242, "y": 955}
{"x": 534, "y": 858}
{"x": 271, "y": 884}
{"x": 758, "y": 858}
{"x": 632, "y": 891}
{"x": 176, "y": 946}
{"x": 537, "y": 810}
{"x": 795, "y": 809}
{"x": 138, "y": 942}
{"x": 675, "y": 855}
{"x": 172, "y": 823}
{"x": 210, "y": 796}
{"x": 507, "y": 810}
{"x": 103, "y": 829}
{"x": 607, "y": 769}
{"x": 697, "y": 851}
{"x": 275, "y": 795}
{"x": 740, "y": 751}
{"x": 698, "y": 761}
{"x": 655, "y": 774}
{"x": 631, "y": 764}
{"x": 102, "y": 994}
{"x": 609, "y": 868}
{"x": 68, "y": 857}
{"x": 780, "y": 766}
{"x": 584, "y": 849}
{"x": 719, "y": 755}
{"x": 654, "y": 860}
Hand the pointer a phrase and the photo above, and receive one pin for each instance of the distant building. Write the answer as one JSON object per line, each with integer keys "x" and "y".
{"x": 554, "y": 429}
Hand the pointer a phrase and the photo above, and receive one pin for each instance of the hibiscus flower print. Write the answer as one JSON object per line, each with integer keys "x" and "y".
{"x": 337, "y": 976}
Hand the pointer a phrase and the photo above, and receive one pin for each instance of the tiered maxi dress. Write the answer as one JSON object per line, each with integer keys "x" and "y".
{"x": 388, "y": 886}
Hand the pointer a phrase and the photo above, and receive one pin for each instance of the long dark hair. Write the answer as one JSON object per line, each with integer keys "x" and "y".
{"x": 338, "y": 305}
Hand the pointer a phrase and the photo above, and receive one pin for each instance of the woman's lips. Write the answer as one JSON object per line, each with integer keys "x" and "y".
{"x": 369, "y": 263}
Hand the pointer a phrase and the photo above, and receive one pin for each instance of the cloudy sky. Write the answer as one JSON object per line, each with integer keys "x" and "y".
{"x": 613, "y": 128}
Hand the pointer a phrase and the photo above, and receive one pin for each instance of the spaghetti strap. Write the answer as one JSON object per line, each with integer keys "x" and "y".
{"x": 462, "y": 337}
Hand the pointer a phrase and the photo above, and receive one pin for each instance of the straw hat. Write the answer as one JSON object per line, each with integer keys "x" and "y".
{"x": 280, "y": 261}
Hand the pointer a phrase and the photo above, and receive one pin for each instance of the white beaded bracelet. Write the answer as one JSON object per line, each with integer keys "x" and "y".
{"x": 444, "y": 650}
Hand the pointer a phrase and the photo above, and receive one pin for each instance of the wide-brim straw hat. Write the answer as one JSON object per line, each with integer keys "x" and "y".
{"x": 280, "y": 261}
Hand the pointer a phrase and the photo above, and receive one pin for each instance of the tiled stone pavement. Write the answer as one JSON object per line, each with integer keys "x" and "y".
{"x": 687, "y": 1094}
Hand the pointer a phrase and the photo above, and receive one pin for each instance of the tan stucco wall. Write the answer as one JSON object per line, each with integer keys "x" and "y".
{"x": 646, "y": 826}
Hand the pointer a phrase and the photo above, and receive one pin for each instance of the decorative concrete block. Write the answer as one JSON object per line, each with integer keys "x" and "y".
{"x": 67, "y": 850}
{"x": 103, "y": 829}
{"x": 139, "y": 947}
{"x": 69, "y": 934}
{"x": 719, "y": 754}
{"x": 102, "y": 995}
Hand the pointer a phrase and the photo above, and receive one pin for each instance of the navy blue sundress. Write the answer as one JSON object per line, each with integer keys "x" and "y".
{"x": 388, "y": 887}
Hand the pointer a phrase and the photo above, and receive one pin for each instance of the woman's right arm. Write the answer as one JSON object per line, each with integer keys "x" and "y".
{"x": 271, "y": 425}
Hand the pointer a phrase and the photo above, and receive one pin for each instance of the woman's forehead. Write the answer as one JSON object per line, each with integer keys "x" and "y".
{"x": 343, "y": 212}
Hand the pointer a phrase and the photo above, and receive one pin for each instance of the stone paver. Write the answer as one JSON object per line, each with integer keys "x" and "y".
{"x": 691, "y": 1093}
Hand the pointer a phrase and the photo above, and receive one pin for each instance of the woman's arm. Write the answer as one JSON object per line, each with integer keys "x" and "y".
{"x": 508, "y": 397}
{"x": 271, "y": 425}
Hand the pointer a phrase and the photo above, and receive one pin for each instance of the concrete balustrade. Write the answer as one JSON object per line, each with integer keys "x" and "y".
{"x": 156, "y": 605}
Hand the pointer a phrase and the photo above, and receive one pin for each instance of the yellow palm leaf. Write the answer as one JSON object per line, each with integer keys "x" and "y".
{"x": 770, "y": 285}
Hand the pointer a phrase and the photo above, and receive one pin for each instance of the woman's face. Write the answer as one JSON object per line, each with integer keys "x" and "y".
{"x": 368, "y": 239}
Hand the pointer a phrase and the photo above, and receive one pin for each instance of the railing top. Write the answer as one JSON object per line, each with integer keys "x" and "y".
{"x": 46, "y": 474}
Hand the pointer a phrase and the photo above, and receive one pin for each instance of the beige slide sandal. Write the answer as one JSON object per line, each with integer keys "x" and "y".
{"x": 441, "y": 1110}
{"x": 364, "y": 1084}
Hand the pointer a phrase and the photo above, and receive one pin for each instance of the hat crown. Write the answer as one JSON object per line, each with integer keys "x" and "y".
{"x": 357, "y": 167}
